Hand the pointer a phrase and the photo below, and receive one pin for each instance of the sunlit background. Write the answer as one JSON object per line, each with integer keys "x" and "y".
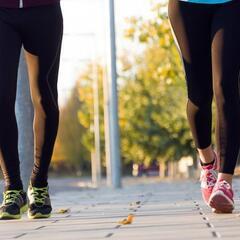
{"x": 85, "y": 35}
{"x": 154, "y": 134}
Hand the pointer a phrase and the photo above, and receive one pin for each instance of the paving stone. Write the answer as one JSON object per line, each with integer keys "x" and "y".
{"x": 168, "y": 210}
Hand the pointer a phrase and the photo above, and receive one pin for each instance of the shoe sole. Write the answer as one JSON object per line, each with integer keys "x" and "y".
{"x": 38, "y": 215}
{"x": 8, "y": 216}
{"x": 220, "y": 203}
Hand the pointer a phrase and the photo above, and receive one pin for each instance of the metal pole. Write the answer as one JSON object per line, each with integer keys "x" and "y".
{"x": 111, "y": 109}
{"x": 96, "y": 164}
{"x": 24, "y": 114}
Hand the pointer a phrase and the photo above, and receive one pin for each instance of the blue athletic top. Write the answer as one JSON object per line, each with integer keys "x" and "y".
{"x": 207, "y": 1}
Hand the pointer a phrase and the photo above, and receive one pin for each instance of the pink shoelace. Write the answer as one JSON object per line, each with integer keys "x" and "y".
{"x": 208, "y": 177}
{"x": 223, "y": 184}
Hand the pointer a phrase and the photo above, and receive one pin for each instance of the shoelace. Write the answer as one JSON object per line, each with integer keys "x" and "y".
{"x": 209, "y": 176}
{"x": 223, "y": 184}
{"x": 39, "y": 194}
{"x": 10, "y": 196}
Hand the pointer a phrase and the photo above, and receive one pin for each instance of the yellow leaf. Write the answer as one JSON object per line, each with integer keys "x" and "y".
{"x": 127, "y": 220}
{"x": 63, "y": 210}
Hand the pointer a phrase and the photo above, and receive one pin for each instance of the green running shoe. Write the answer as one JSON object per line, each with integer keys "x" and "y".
{"x": 14, "y": 204}
{"x": 39, "y": 203}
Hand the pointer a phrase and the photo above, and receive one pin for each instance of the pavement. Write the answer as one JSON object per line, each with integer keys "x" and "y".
{"x": 144, "y": 209}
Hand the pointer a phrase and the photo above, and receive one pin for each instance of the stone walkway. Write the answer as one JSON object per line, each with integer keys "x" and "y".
{"x": 161, "y": 210}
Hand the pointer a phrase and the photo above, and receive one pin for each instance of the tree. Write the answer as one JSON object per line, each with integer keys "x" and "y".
{"x": 85, "y": 113}
{"x": 70, "y": 152}
{"x": 152, "y": 96}
{"x": 75, "y": 140}
{"x": 152, "y": 100}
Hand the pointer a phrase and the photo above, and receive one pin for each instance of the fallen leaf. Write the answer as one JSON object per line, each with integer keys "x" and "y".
{"x": 127, "y": 220}
{"x": 63, "y": 210}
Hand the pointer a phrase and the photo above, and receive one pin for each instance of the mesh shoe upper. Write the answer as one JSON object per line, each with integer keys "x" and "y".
{"x": 225, "y": 188}
{"x": 209, "y": 178}
{"x": 13, "y": 200}
{"x": 221, "y": 200}
{"x": 39, "y": 200}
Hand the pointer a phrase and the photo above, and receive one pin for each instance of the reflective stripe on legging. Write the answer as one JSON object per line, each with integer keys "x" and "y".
{"x": 39, "y": 30}
{"x": 209, "y": 40}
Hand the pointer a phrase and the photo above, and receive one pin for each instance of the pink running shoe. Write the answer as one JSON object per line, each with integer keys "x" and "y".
{"x": 209, "y": 178}
{"x": 221, "y": 200}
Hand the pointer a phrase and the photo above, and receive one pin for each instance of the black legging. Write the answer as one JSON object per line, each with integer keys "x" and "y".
{"x": 39, "y": 31}
{"x": 209, "y": 40}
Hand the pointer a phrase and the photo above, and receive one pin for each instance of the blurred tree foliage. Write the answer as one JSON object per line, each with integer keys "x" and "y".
{"x": 75, "y": 140}
{"x": 85, "y": 112}
{"x": 152, "y": 101}
{"x": 70, "y": 152}
{"x": 153, "y": 96}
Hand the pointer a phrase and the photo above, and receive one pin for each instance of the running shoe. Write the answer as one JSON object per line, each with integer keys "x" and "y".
{"x": 221, "y": 200}
{"x": 39, "y": 203}
{"x": 209, "y": 178}
{"x": 14, "y": 204}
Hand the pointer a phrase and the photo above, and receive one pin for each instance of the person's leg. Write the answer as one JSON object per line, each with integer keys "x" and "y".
{"x": 10, "y": 46}
{"x": 191, "y": 25}
{"x": 14, "y": 198}
{"x": 226, "y": 70}
{"x": 42, "y": 43}
{"x": 193, "y": 35}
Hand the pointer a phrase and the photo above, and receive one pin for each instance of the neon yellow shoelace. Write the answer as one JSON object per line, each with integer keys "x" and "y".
{"x": 39, "y": 194}
{"x": 10, "y": 196}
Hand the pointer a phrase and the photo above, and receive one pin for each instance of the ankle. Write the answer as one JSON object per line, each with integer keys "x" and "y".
{"x": 38, "y": 184}
{"x": 206, "y": 155}
{"x": 13, "y": 188}
{"x": 225, "y": 177}
{"x": 206, "y": 164}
